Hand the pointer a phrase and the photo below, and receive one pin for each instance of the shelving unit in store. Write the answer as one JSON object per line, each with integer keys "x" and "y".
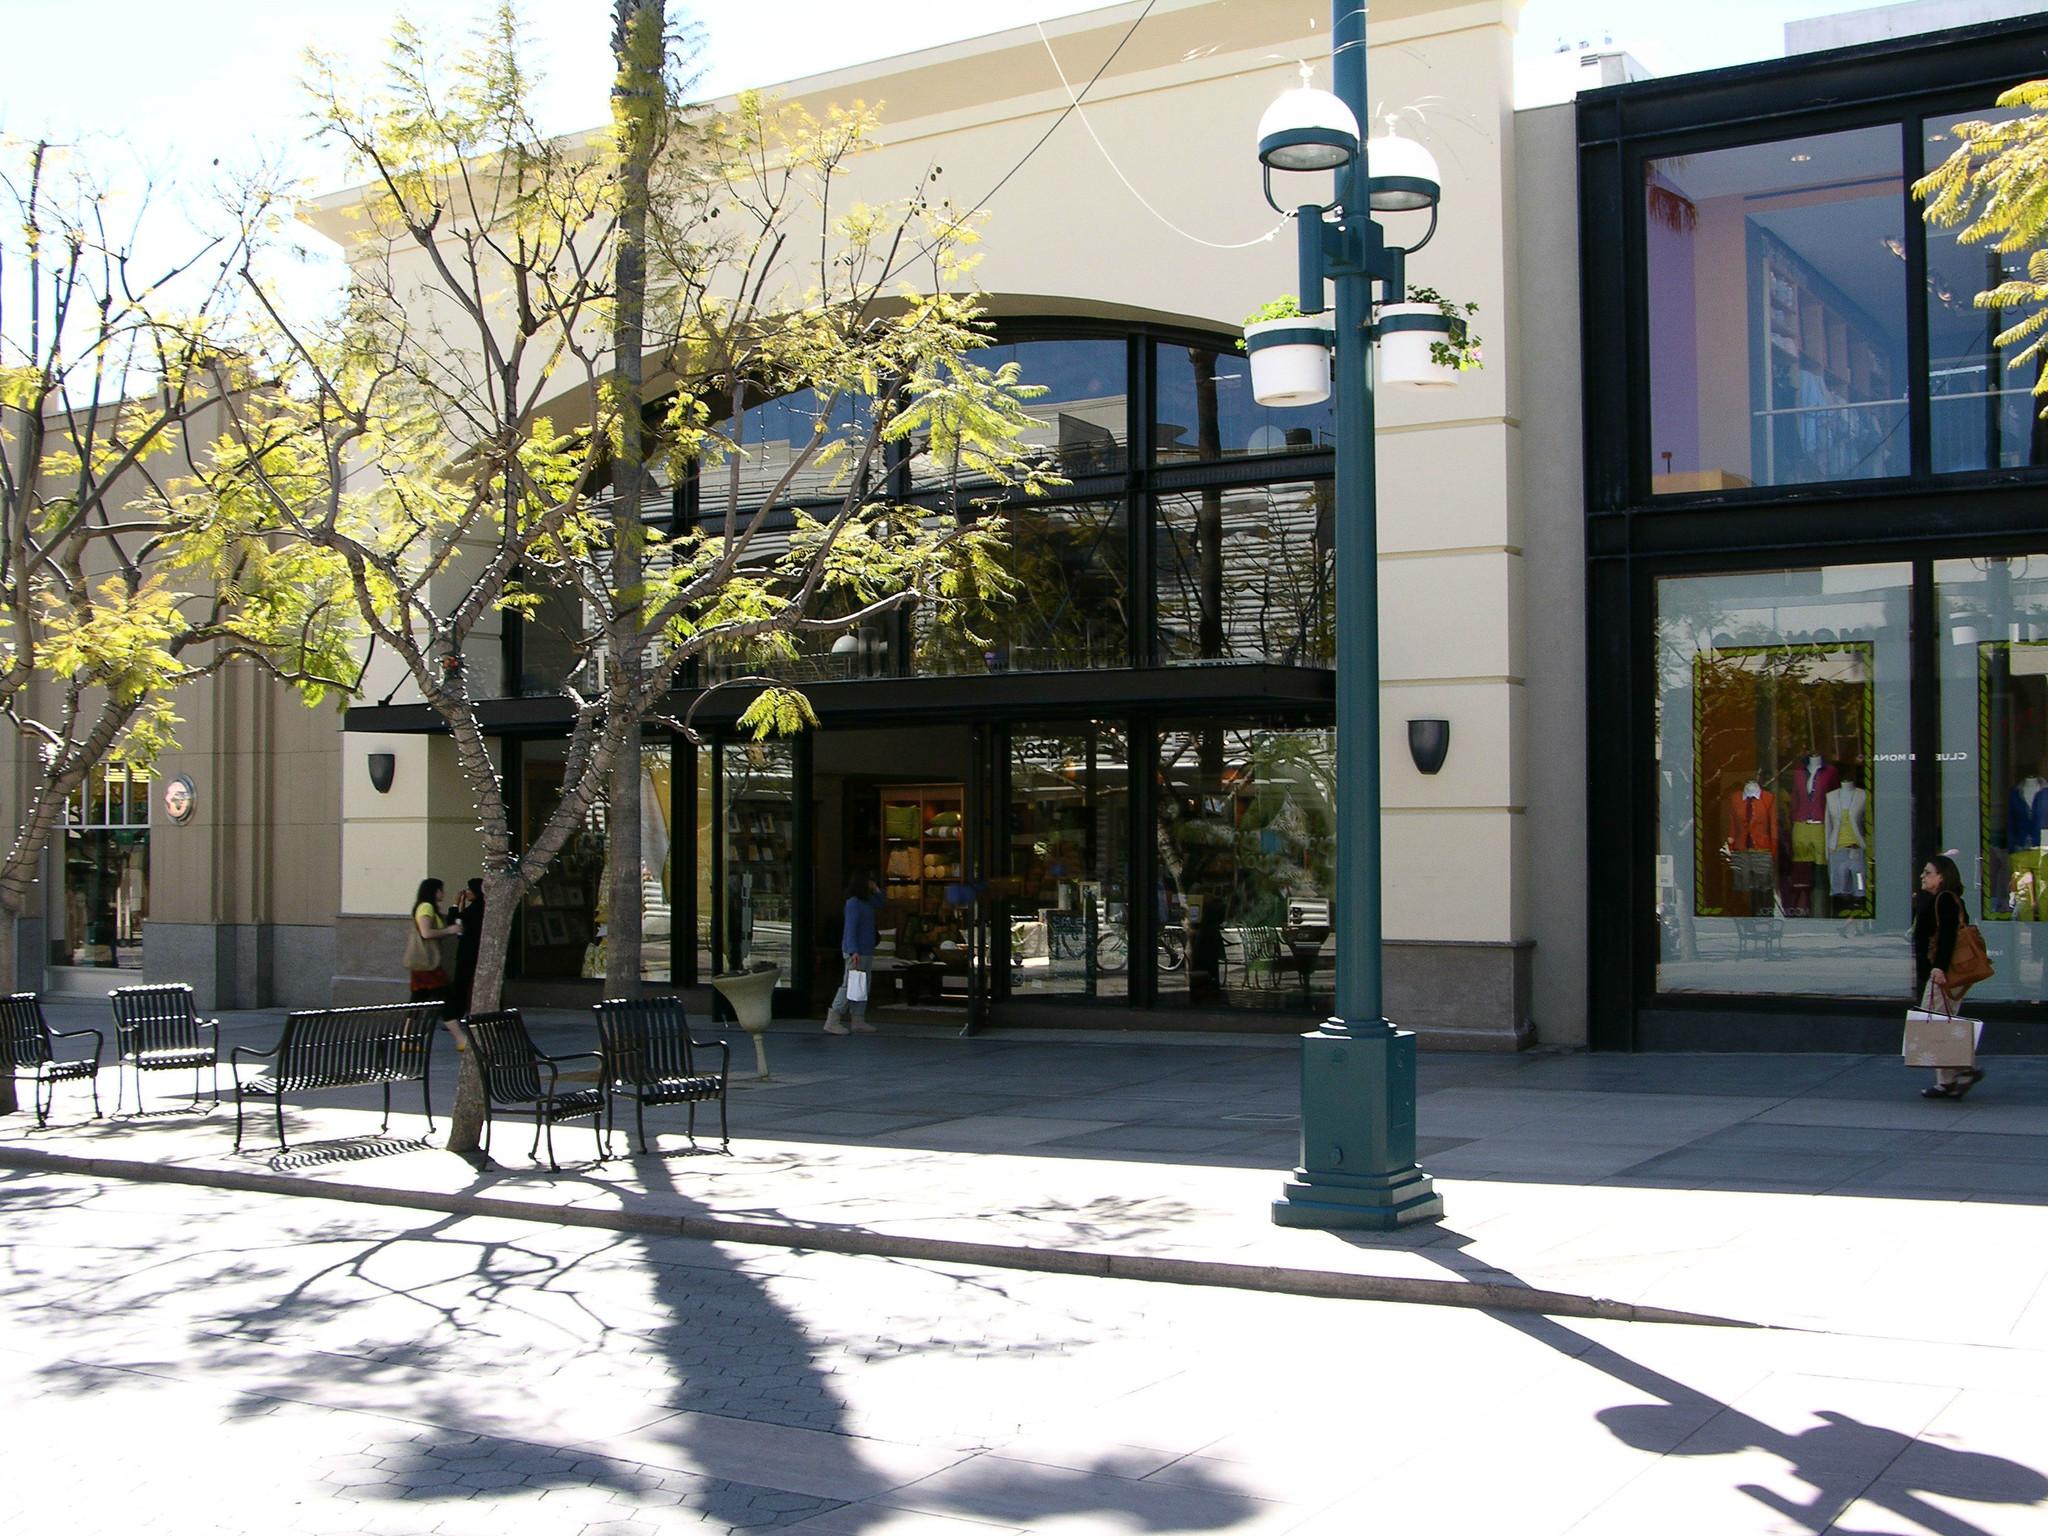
{"x": 921, "y": 843}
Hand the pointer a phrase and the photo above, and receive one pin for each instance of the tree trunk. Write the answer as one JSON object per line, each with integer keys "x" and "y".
{"x": 501, "y": 906}
{"x": 639, "y": 42}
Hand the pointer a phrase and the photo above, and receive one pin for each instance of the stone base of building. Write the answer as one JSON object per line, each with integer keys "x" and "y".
{"x": 242, "y": 965}
{"x": 1462, "y": 996}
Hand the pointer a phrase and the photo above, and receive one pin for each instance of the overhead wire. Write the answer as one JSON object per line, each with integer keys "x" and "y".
{"x": 1074, "y": 106}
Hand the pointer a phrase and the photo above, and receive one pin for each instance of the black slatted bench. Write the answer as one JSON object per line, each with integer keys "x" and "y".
{"x": 372, "y": 1047}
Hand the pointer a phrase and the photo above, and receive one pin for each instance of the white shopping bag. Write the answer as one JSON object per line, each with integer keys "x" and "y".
{"x": 1940, "y": 1039}
{"x": 856, "y": 986}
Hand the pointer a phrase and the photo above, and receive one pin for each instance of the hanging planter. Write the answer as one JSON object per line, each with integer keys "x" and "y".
{"x": 1290, "y": 357}
{"x": 1425, "y": 341}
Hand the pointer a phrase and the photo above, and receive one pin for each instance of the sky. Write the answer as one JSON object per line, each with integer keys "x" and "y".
{"x": 169, "y": 85}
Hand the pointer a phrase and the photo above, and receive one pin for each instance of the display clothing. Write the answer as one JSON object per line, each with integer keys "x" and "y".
{"x": 2029, "y": 883}
{"x": 1810, "y": 790}
{"x": 1809, "y": 843}
{"x": 1843, "y": 818}
{"x": 1753, "y": 821}
{"x": 2026, "y": 818}
{"x": 1848, "y": 873}
{"x": 1755, "y": 869}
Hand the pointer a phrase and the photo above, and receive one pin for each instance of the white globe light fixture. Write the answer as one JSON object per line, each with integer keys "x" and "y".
{"x": 1401, "y": 176}
{"x": 1307, "y": 130}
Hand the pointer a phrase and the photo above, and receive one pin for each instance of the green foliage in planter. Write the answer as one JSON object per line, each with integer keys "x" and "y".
{"x": 1461, "y": 350}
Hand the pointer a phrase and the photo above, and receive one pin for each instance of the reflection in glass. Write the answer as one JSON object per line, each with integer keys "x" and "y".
{"x": 559, "y": 929}
{"x": 1082, "y": 417}
{"x": 1247, "y": 574}
{"x": 1204, "y": 411}
{"x": 1784, "y": 861}
{"x": 1981, "y": 415}
{"x": 1070, "y": 859}
{"x": 759, "y": 854}
{"x": 707, "y": 864}
{"x": 1777, "y": 292}
{"x": 1068, "y": 609}
{"x": 548, "y": 634}
{"x": 1247, "y": 853}
{"x": 772, "y": 435}
{"x": 105, "y": 900}
{"x": 1993, "y": 645}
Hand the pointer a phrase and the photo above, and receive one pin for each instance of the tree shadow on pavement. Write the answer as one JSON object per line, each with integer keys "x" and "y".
{"x": 673, "y": 1377}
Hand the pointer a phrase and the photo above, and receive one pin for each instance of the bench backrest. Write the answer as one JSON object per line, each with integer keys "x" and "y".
{"x": 505, "y": 1055}
{"x": 330, "y": 1047}
{"x": 645, "y": 1039}
{"x": 27, "y": 1036}
{"x": 158, "y": 1018}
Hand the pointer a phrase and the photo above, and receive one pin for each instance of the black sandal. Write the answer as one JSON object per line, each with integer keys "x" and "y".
{"x": 1963, "y": 1085}
{"x": 1941, "y": 1091}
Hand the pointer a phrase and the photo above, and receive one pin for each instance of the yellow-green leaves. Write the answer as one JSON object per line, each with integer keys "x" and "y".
{"x": 778, "y": 712}
{"x": 1995, "y": 186}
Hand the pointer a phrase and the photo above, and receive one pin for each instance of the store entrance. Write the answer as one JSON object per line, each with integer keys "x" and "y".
{"x": 896, "y": 803}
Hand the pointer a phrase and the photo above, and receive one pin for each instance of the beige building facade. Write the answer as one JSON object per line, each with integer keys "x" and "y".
{"x": 1130, "y": 227}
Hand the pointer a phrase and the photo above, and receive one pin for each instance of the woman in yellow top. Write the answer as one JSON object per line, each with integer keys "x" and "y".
{"x": 431, "y": 984}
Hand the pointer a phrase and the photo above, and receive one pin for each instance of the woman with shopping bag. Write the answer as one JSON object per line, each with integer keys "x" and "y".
{"x": 1948, "y": 959}
{"x": 857, "y": 948}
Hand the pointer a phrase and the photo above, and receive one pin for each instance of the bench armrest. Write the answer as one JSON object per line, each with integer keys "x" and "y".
{"x": 240, "y": 1051}
{"x": 724, "y": 1053}
{"x": 99, "y": 1040}
{"x": 554, "y": 1065}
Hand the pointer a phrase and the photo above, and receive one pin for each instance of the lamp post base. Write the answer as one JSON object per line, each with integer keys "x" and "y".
{"x": 1358, "y": 1169}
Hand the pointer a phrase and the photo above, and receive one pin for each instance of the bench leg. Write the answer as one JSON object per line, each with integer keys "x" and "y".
{"x": 640, "y": 1121}
{"x": 692, "y": 1125}
{"x": 386, "y": 1127}
{"x": 427, "y": 1101}
{"x": 238, "y": 1117}
{"x": 279, "y": 1102}
{"x": 724, "y": 1135}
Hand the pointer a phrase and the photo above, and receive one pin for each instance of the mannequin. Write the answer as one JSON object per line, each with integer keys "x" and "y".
{"x": 1813, "y": 780}
{"x": 2026, "y": 825}
{"x": 1752, "y": 844}
{"x": 1846, "y": 834}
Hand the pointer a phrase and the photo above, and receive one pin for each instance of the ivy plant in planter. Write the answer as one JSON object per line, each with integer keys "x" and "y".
{"x": 1426, "y": 340}
{"x": 1289, "y": 352}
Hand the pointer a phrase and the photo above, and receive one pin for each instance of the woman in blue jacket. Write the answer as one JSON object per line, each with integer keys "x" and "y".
{"x": 857, "y": 948}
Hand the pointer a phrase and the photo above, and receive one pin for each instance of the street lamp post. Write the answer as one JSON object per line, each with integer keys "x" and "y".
{"x": 1358, "y": 1166}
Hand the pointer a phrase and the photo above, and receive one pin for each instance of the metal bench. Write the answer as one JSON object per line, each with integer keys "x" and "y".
{"x": 649, "y": 1054}
{"x": 31, "y": 1045}
{"x": 372, "y": 1047}
{"x": 157, "y": 1031}
{"x": 514, "y": 1073}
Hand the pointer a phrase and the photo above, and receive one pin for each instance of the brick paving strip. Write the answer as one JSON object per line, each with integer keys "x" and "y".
{"x": 1332, "y": 1284}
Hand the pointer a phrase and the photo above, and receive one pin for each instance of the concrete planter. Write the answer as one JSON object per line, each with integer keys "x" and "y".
{"x": 752, "y": 995}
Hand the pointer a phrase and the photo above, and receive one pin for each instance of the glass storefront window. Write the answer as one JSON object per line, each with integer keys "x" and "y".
{"x": 1993, "y": 645}
{"x": 1070, "y": 860}
{"x": 561, "y": 926}
{"x": 1067, "y": 612}
{"x": 1981, "y": 415}
{"x": 1082, "y": 418}
{"x": 104, "y": 900}
{"x": 1776, "y": 276}
{"x": 1784, "y": 857}
{"x": 759, "y": 906}
{"x": 772, "y": 434}
{"x": 1247, "y": 856}
{"x": 1204, "y": 411}
{"x": 1247, "y": 574}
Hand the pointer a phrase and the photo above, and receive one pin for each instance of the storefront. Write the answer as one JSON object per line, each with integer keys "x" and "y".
{"x": 1112, "y": 790}
{"x": 103, "y": 853}
{"x": 1817, "y": 561}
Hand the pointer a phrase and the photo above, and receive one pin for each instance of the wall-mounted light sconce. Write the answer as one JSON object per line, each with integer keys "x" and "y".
{"x": 382, "y": 766}
{"x": 1428, "y": 741}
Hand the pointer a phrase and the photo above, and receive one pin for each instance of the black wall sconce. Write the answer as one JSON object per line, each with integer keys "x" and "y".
{"x": 1428, "y": 741}
{"x": 382, "y": 766}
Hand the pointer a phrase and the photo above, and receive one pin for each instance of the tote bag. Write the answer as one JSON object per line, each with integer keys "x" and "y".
{"x": 856, "y": 986}
{"x": 421, "y": 954}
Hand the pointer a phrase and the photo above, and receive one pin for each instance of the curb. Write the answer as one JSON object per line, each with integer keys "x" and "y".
{"x": 1333, "y": 1285}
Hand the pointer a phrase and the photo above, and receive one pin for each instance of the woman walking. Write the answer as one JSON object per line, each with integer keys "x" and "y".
{"x": 857, "y": 949}
{"x": 1935, "y": 927}
{"x": 423, "y": 945}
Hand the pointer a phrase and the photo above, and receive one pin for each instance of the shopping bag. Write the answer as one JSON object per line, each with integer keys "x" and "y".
{"x": 1940, "y": 1039}
{"x": 856, "y": 986}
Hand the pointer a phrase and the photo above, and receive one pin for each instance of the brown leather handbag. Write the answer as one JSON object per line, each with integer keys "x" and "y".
{"x": 1968, "y": 963}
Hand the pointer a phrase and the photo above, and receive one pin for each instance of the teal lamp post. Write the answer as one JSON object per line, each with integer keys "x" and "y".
{"x": 1358, "y": 1166}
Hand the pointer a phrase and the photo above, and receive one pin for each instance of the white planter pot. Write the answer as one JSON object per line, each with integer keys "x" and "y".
{"x": 1290, "y": 360}
{"x": 1406, "y": 332}
{"x": 752, "y": 995}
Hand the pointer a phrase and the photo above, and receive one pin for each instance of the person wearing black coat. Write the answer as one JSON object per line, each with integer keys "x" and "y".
{"x": 1935, "y": 928}
{"x": 468, "y": 915}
